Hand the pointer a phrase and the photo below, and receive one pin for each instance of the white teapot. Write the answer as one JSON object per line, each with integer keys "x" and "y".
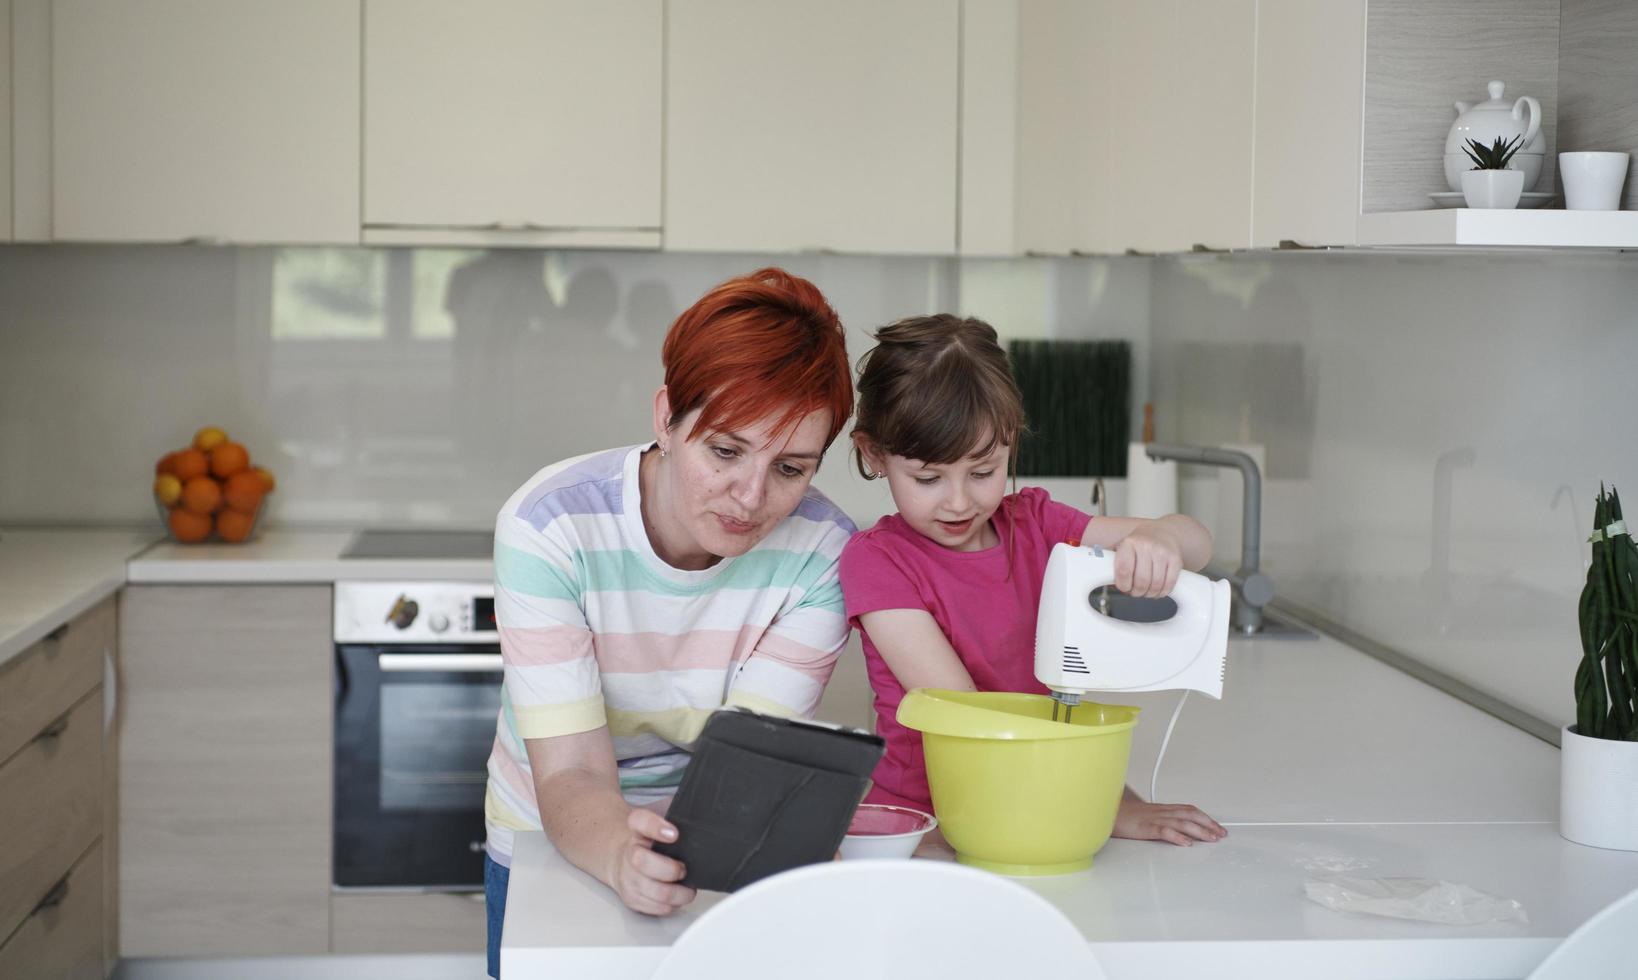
{"x": 1490, "y": 119}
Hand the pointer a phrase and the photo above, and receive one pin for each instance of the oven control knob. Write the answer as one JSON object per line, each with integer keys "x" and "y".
{"x": 438, "y": 622}
{"x": 403, "y": 612}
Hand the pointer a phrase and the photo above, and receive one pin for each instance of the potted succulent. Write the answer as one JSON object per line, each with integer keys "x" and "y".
{"x": 1598, "y": 802}
{"x": 1490, "y": 184}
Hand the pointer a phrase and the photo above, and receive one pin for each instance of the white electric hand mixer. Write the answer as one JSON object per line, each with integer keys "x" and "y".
{"x": 1079, "y": 649}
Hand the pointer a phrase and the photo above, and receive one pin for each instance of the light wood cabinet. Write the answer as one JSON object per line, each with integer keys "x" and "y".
{"x": 234, "y": 121}
{"x": 513, "y": 121}
{"x": 54, "y": 763}
{"x": 224, "y": 783}
{"x": 61, "y": 938}
{"x": 403, "y": 923}
{"x": 803, "y": 126}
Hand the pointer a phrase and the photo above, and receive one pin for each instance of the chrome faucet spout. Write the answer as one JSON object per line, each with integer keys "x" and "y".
{"x": 1252, "y": 588}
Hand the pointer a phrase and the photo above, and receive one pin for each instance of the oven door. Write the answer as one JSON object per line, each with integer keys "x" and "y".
{"x": 414, "y": 726}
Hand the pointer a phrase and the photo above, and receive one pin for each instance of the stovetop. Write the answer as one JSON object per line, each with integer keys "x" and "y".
{"x": 383, "y": 543}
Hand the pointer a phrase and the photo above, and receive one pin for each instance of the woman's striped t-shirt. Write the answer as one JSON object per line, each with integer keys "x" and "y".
{"x": 595, "y": 629}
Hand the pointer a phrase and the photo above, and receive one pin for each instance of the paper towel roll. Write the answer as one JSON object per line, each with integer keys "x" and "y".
{"x": 1151, "y": 485}
{"x": 1231, "y": 496}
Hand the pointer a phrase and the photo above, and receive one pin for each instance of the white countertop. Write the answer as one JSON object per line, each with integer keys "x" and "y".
{"x": 50, "y": 575}
{"x": 290, "y": 555}
{"x": 1321, "y": 760}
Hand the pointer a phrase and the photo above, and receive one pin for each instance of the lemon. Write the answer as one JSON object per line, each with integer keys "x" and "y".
{"x": 168, "y": 489}
{"x": 208, "y": 438}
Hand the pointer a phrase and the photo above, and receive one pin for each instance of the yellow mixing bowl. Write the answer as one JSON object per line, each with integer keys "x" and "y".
{"x": 1016, "y": 792}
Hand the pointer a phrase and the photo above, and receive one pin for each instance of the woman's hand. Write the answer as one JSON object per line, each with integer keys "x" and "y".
{"x": 644, "y": 880}
{"x": 1177, "y": 823}
{"x": 1147, "y": 561}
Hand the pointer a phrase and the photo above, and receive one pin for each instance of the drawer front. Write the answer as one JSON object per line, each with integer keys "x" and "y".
{"x": 407, "y": 923}
{"x": 44, "y": 680}
{"x": 61, "y": 937}
{"x": 50, "y": 808}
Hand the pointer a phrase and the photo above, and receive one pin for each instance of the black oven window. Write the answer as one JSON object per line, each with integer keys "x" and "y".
{"x": 435, "y": 742}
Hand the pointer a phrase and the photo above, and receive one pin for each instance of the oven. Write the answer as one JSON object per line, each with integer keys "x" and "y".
{"x": 417, "y": 693}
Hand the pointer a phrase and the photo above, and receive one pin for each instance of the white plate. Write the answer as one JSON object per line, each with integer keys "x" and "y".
{"x": 1529, "y": 199}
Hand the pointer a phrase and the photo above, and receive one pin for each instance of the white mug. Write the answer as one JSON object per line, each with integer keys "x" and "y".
{"x": 1592, "y": 181}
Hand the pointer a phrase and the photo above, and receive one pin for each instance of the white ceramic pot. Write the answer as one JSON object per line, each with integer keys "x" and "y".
{"x": 1492, "y": 118}
{"x": 1598, "y": 791}
{"x": 1492, "y": 188}
{"x": 1592, "y": 181}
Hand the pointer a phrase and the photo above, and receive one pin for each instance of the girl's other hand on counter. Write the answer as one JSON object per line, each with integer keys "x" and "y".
{"x": 1176, "y": 823}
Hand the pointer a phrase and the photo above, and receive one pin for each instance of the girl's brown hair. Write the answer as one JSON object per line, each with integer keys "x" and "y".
{"x": 937, "y": 389}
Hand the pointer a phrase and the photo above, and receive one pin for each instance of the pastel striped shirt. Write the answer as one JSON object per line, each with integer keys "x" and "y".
{"x": 595, "y": 629}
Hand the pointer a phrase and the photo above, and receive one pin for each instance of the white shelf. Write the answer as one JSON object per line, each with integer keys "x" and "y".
{"x": 1539, "y": 228}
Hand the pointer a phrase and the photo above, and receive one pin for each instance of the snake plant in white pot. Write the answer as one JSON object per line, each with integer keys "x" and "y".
{"x": 1598, "y": 802}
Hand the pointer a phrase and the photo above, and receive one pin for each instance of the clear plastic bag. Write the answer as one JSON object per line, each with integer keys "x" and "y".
{"x": 1420, "y": 899}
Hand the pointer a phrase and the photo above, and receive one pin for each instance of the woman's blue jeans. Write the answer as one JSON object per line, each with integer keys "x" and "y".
{"x": 495, "y": 880}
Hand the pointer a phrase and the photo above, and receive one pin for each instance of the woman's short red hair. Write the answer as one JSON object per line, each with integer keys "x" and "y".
{"x": 762, "y": 345}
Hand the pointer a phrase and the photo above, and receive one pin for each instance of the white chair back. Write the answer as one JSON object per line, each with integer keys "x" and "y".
{"x": 1600, "y": 950}
{"x": 889, "y": 919}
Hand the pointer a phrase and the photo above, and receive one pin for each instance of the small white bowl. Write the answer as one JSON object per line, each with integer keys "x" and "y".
{"x": 881, "y": 831}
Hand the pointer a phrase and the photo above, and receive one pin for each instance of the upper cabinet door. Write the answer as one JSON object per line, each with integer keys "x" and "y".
{"x": 5, "y": 121}
{"x": 1310, "y": 88}
{"x": 230, "y": 120}
{"x": 797, "y": 126}
{"x": 1134, "y": 124}
{"x": 513, "y": 115}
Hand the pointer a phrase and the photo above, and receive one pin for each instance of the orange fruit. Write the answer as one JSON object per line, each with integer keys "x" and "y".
{"x": 168, "y": 489}
{"x": 208, "y": 438}
{"x": 189, "y": 464}
{"x": 227, "y": 459}
{"x": 166, "y": 464}
{"x": 202, "y": 495}
{"x": 267, "y": 477}
{"x": 243, "y": 491}
{"x": 188, "y": 526}
{"x": 232, "y": 525}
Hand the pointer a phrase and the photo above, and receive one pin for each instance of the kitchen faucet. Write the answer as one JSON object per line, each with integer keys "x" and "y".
{"x": 1252, "y": 589}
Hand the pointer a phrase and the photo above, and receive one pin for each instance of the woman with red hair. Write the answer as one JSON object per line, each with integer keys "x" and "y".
{"x": 639, "y": 589}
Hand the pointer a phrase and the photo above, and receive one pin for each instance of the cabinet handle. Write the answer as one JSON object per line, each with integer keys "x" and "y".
{"x": 204, "y": 240}
{"x": 53, "y": 730}
{"x": 56, "y": 635}
{"x": 54, "y": 897}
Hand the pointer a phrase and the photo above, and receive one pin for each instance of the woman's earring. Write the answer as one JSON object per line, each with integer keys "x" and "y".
{"x": 662, "y": 452}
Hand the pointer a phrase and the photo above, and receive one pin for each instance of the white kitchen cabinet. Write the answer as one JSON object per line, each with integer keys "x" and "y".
{"x": 5, "y": 121}
{"x": 513, "y": 121}
{"x": 1206, "y": 125}
{"x": 1062, "y": 130}
{"x": 1310, "y": 87}
{"x": 1132, "y": 127}
{"x": 805, "y": 126}
{"x": 226, "y": 120}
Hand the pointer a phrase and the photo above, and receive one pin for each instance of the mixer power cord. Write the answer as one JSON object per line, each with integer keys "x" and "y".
{"x": 1154, "y": 778}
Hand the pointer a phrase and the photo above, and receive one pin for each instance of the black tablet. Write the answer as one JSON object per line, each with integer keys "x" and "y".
{"x": 764, "y": 794}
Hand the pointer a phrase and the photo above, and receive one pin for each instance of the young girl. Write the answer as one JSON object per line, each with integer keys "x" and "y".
{"x": 945, "y": 592}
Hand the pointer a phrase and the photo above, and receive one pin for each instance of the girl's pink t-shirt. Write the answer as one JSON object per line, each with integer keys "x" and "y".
{"x": 985, "y": 604}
